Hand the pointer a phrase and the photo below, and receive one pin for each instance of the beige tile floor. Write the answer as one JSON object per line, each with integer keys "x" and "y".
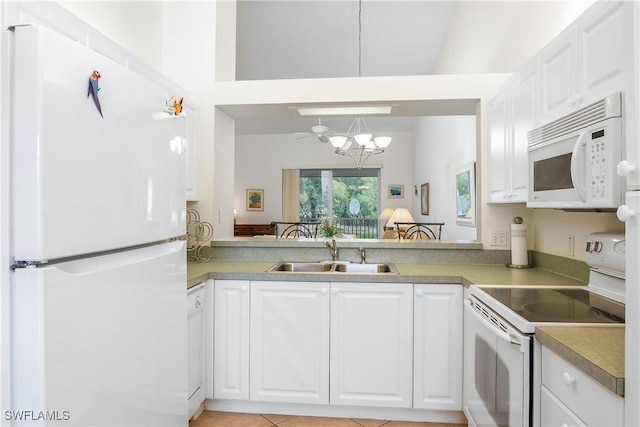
{"x": 231, "y": 419}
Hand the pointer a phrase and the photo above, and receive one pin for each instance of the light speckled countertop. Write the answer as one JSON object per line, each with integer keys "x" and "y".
{"x": 466, "y": 274}
{"x": 599, "y": 352}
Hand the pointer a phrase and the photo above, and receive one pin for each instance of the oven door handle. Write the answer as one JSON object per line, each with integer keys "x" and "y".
{"x": 496, "y": 330}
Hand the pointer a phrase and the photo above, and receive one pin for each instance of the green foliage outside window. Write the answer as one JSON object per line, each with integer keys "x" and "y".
{"x": 345, "y": 189}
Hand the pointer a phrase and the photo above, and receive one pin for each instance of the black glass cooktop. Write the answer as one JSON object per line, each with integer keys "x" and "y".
{"x": 559, "y": 305}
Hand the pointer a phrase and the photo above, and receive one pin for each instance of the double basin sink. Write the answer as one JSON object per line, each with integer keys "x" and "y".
{"x": 333, "y": 267}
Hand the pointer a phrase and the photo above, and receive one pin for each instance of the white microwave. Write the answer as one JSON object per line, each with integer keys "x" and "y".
{"x": 573, "y": 160}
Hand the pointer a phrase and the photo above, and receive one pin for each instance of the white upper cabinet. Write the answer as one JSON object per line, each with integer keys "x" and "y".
{"x": 558, "y": 77}
{"x": 588, "y": 61}
{"x": 511, "y": 115}
{"x": 524, "y": 115}
{"x": 605, "y": 50}
{"x": 498, "y": 179}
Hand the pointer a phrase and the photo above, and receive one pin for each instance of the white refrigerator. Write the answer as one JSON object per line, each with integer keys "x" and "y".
{"x": 98, "y": 309}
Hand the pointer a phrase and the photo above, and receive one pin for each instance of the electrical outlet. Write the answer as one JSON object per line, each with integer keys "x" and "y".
{"x": 498, "y": 238}
{"x": 572, "y": 244}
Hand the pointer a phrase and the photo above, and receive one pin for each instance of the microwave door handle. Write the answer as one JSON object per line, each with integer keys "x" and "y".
{"x": 578, "y": 165}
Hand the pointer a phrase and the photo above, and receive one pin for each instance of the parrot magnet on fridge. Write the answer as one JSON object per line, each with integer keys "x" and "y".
{"x": 93, "y": 90}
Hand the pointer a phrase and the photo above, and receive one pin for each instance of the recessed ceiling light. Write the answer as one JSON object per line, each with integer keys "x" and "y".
{"x": 356, "y": 110}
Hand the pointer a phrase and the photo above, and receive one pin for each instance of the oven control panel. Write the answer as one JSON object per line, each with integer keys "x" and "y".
{"x": 606, "y": 251}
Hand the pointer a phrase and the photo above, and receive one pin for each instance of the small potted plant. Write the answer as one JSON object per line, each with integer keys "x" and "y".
{"x": 330, "y": 227}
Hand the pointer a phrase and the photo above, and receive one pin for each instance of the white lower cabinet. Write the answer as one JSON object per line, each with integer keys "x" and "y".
{"x": 339, "y": 343}
{"x": 371, "y": 344}
{"x": 231, "y": 340}
{"x": 289, "y": 346}
{"x": 437, "y": 352}
{"x": 554, "y": 413}
{"x": 569, "y": 397}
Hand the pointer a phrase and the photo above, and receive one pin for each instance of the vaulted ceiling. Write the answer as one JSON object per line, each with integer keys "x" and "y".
{"x": 290, "y": 39}
{"x": 287, "y": 39}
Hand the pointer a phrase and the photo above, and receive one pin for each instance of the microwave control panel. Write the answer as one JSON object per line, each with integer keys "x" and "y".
{"x": 599, "y": 160}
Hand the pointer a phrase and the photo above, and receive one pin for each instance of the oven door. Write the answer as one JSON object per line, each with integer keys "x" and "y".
{"x": 497, "y": 377}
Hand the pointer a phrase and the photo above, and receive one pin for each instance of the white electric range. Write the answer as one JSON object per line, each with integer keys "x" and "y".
{"x": 499, "y": 322}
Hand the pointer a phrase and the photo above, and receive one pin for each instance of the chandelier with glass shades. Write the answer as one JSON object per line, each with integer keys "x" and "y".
{"x": 359, "y": 143}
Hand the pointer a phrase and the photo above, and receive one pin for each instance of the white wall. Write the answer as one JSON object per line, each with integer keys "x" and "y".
{"x": 188, "y": 44}
{"x": 223, "y": 166}
{"x": 259, "y": 160}
{"x": 225, "y": 29}
{"x": 135, "y": 25}
{"x": 501, "y": 36}
{"x": 441, "y": 146}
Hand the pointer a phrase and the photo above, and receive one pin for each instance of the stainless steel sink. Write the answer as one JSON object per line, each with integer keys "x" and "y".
{"x": 327, "y": 267}
{"x": 366, "y": 268}
{"x": 302, "y": 267}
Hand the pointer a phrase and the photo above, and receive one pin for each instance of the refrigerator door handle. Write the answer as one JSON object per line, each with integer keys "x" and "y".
{"x": 121, "y": 259}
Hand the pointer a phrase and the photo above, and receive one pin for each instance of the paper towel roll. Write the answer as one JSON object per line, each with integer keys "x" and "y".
{"x": 519, "y": 245}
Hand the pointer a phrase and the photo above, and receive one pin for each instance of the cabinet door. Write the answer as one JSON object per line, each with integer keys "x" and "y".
{"x": 558, "y": 77}
{"x": 231, "y": 349}
{"x": 289, "y": 342}
{"x": 437, "y": 351}
{"x": 371, "y": 344}
{"x": 604, "y": 48}
{"x": 498, "y": 139}
{"x": 523, "y": 119}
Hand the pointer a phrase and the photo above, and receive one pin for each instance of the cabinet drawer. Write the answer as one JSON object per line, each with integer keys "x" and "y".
{"x": 591, "y": 402}
{"x": 195, "y": 298}
{"x": 554, "y": 413}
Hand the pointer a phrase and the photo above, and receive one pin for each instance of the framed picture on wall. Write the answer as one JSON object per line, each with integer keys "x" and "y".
{"x": 465, "y": 185}
{"x": 255, "y": 200}
{"x": 395, "y": 191}
{"x": 424, "y": 199}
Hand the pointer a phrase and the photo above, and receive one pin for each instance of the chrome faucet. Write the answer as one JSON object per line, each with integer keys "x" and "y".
{"x": 363, "y": 255}
{"x": 333, "y": 249}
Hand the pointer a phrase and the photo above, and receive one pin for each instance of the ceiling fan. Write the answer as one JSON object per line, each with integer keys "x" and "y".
{"x": 321, "y": 132}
